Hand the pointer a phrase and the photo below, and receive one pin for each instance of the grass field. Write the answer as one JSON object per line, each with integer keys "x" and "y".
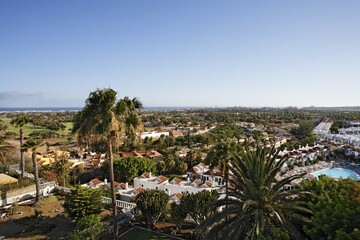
{"x": 29, "y": 128}
{"x": 143, "y": 234}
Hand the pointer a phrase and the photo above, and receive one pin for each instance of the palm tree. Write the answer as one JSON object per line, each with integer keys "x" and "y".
{"x": 20, "y": 122}
{"x": 5, "y": 148}
{"x": 103, "y": 116}
{"x": 61, "y": 167}
{"x": 132, "y": 122}
{"x": 256, "y": 203}
{"x": 32, "y": 144}
{"x": 219, "y": 157}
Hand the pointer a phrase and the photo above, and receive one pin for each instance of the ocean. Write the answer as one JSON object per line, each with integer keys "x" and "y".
{"x": 60, "y": 109}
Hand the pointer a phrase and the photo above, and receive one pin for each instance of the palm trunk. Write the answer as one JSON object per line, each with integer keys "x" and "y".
{"x": 36, "y": 177}
{"x": 112, "y": 186}
{"x": 22, "y": 160}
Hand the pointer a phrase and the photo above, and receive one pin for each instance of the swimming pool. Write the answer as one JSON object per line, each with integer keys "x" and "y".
{"x": 337, "y": 173}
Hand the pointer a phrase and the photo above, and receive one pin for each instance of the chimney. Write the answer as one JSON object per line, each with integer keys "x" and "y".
{"x": 149, "y": 174}
{"x": 105, "y": 181}
{"x": 188, "y": 179}
{"x": 126, "y": 186}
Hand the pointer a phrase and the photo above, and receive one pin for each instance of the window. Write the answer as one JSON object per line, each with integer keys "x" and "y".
{"x": 142, "y": 185}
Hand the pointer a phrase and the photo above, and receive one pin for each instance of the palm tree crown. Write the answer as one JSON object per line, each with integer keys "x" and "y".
{"x": 20, "y": 122}
{"x": 256, "y": 203}
{"x": 103, "y": 116}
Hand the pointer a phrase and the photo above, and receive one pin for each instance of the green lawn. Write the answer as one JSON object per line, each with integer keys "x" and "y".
{"x": 29, "y": 128}
{"x": 137, "y": 233}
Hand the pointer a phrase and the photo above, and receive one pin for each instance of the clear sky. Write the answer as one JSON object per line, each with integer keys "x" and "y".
{"x": 181, "y": 53}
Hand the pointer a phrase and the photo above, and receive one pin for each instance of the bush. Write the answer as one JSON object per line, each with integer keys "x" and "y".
{"x": 88, "y": 227}
{"x": 83, "y": 201}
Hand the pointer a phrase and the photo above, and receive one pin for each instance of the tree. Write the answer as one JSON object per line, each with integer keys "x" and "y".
{"x": 103, "y": 116}
{"x": 152, "y": 204}
{"x": 169, "y": 161}
{"x": 20, "y": 122}
{"x": 220, "y": 156}
{"x": 132, "y": 122}
{"x": 89, "y": 228}
{"x": 195, "y": 204}
{"x": 177, "y": 213}
{"x": 336, "y": 208}
{"x": 32, "y": 144}
{"x": 61, "y": 167}
{"x": 256, "y": 203}
{"x": 83, "y": 201}
{"x": 125, "y": 169}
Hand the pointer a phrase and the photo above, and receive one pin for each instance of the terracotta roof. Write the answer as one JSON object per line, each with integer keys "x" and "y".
{"x": 177, "y": 180}
{"x": 176, "y": 133}
{"x": 198, "y": 182}
{"x": 179, "y": 195}
{"x": 146, "y": 174}
{"x": 139, "y": 189}
{"x": 209, "y": 184}
{"x": 122, "y": 185}
{"x": 162, "y": 179}
{"x": 96, "y": 181}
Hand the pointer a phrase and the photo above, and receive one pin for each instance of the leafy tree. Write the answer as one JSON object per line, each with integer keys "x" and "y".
{"x": 336, "y": 208}
{"x": 20, "y": 122}
{"x": 177, "y": 213}
{"x": 305, "y": 129}
{"x": 89, "y": 228}
{"x": 160, "y": 167}
{"x": 32, "y": 144}
{"x": 152, "y": 204}
{"x": 182, "y": 167}
{"x": 125, "y": 169}
{"x": 83, "y": 201}
{"x": 256, "y": 203}
{"x": 196, "y": 205}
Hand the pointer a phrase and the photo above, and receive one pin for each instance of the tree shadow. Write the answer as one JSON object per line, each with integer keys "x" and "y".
{"x": 51, "y": 227}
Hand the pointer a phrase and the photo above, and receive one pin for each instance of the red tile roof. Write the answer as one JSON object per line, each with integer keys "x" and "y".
{"x": 96, "y": 181}
{"x": 209, "y": 184}
{"x": 162, "y": 179}
{"x": 198, "y": 182}
{"x": 177, "y": 180}
{"x": 179, "y": 195}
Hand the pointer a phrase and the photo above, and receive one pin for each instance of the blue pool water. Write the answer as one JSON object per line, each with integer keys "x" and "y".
{"x": 337, "y": 173}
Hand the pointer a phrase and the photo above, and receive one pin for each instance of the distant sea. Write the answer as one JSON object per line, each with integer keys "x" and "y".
{"x": 59, "y": 109}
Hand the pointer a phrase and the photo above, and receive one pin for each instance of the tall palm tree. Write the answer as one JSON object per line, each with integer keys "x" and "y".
{"x": 20, "y": 122}
{"x": 219, "y": 157}
{"x": 103, "y": 116}
{"x": 32, "y": 144}
{"x": 256, "y": 203}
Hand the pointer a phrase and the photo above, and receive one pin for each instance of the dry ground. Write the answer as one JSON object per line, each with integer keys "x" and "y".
{"x": 52, "y": 225}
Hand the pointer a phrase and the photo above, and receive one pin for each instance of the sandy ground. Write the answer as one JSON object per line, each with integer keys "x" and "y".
{"x": 52, "y": 225}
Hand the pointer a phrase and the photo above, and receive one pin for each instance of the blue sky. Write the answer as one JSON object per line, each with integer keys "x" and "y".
{"x": 181, "y": 53}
